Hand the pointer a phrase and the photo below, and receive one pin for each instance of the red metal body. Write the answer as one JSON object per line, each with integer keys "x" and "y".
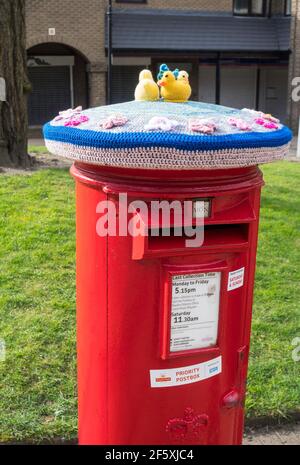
{"x": 123, "y": 310}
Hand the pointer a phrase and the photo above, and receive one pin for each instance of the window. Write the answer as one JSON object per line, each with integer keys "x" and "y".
{"x": 250, "y": 7}
{"x": 131, "y": 1}
{"x": 287, "y": 7}
{"x": 257, "y": 7}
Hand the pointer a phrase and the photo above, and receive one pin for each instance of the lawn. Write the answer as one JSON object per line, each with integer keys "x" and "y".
{"x": 37, "y": 303}
{"x": 37, "y": 306}
{"x": 37, "y": 149}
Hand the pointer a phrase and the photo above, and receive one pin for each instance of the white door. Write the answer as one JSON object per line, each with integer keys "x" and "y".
{"x": 238, "y": 86}
{"x": 207, "y": 84}
{"x": 274, "y": 91}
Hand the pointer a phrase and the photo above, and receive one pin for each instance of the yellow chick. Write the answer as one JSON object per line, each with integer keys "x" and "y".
{"x": 173, "y": 90}
{"x": 147, "y": 89}
{"x": 183, "y": 76}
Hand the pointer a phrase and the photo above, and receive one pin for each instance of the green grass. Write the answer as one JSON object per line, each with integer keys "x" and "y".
{"x": 37, "y": 306}
{"x": 274, "y": 377}
{"x": 37, "y": 303}
{"x": 37, "y": 149}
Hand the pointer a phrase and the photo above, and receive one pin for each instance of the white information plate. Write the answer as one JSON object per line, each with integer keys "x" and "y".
{"x": 186, "y": 375}
{"x": 201, "y": 208}
{"x": 236, "y": 279}
{"x": 195, "y": 311}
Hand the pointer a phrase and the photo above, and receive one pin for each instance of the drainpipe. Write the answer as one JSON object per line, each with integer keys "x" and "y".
{"x": 109, "y": 52}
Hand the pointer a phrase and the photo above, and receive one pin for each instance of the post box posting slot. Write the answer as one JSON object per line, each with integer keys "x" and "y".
{"x": 227, "y": 227}
{"x": 216, "y": 237}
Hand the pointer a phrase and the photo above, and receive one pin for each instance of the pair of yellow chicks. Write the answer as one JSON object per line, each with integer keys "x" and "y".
{"x": 168, "y": 87}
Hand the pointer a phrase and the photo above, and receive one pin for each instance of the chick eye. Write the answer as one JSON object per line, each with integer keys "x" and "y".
{"x": 167, "y": 75}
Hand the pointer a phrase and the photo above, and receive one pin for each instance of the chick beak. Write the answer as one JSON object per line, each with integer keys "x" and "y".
{"x": 161, "y": 83}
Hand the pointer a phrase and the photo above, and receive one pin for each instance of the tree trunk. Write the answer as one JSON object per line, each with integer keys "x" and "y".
{"x": 13, "y": 71}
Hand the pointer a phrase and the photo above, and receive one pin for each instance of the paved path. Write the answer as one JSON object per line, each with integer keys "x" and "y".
{"x": 273, "y": 435}
{"x": 268, "y": 435}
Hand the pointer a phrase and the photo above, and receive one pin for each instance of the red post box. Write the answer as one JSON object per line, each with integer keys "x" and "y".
{"x": 164, "y": 329}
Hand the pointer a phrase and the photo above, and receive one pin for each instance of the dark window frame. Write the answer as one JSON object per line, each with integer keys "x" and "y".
{"x": 131, "y": 1}
{"x": 250, "y": 13}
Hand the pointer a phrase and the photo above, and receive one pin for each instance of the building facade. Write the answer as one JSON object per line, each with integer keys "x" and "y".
{"x": 239, "y": 53}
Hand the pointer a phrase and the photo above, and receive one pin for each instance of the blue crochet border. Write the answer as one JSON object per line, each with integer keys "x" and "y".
{"x": 120, "y": 140}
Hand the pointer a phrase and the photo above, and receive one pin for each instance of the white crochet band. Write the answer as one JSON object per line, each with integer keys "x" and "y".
{"x": 167, "y": 158}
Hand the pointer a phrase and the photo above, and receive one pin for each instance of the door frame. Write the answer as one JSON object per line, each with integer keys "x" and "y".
{"x": 46, "y": 61}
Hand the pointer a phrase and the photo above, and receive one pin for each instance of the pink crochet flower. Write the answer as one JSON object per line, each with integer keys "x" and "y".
{"x": 239, "y": 124}
{"x": 266, "y": 124}
{"x": 270, "y": 118}
{"x": 113, "y": 121}
{"x": 202, "y": 125}
{"x": 76, "y": 120}
{"x": 271, "y": 125}
{"x": 66, "y": 114}
{"x": 260, "y": 121}
{"x": 262, "y": 116}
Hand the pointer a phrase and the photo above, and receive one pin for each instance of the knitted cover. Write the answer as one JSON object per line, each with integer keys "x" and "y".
{"x": 161, "y": 135}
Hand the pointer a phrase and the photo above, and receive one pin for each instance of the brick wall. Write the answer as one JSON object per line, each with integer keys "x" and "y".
{"x": 79, "y": 25}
